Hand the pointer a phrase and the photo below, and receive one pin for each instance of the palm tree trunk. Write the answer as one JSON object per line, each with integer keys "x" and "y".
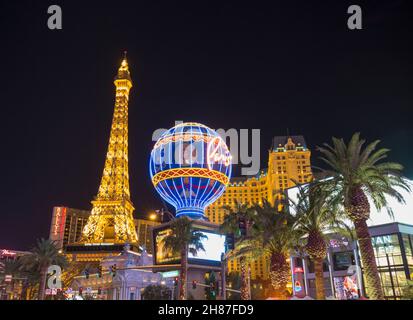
{"x": 319, "y": 279}
{"x": 279, "y": 274}
{"x": 182, "y": 284}
{"x": 245, "y": 292}
{"x": 369, "y": 261}
{"x": 42, "y": 284}
{"x": 24, "y": 290}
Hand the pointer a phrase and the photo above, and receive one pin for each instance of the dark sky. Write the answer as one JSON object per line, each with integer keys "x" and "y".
{"x": 268, "y": 66}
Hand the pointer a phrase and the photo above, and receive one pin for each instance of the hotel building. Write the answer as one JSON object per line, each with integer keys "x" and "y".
{"x": 67, "y": 225}
{"x": 288, "y": 162}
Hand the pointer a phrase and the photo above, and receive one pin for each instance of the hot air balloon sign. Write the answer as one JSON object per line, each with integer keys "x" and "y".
{"x": 190, "y": 166}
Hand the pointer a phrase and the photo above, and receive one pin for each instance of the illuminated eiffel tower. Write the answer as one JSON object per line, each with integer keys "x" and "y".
{"x": 111, "y": 220}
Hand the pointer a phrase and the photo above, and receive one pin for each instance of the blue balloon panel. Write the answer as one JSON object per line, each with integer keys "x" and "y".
{"x": 190, "y": 166}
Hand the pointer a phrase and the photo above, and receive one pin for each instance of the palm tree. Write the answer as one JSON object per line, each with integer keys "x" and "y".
{"x": 408, "y": 291}
{"x": 43, "y": 255}
{"x": 244, "y": 248}
{"x": 11, "y": 267}
{"x": 315, "y": 218}
{"x": 357, "y": 174}
{"x": 182, "y": 239}
{"x": 277, "y": 232}
{"x": 234, "y": 282}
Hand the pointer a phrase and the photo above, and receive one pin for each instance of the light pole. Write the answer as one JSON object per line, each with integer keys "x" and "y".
{"x": 223, "y": 276}
{"x": 162, "y": 212}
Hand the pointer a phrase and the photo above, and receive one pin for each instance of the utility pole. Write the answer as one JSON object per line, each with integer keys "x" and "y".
{"x": 223, "y": 276}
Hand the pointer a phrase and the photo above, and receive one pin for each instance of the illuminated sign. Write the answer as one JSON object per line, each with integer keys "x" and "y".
{"x": 384, "y": 244}
{"x": 190, "y": 167}
{"x": 170, "y": 274}
{"x": 162, "y": 254}
{"x": 338, "y": 243}
{"x": 298, "y": 270}
{"x": 297, "y": 286}
{"x": 218, "y": 152}
{"x": 60, "y": 217}
{"x": 5, "y": 252}
{"x": 214, "y": 246}
{"x": 382, "y": 240}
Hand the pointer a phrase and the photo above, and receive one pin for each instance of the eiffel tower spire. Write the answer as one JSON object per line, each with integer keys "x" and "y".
{"x": 111, "y": 219}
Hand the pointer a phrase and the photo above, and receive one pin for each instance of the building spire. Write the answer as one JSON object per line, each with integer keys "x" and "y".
{"x": 123, "y": 71}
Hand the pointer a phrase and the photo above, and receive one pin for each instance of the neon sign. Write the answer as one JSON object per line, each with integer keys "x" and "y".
{"x": 298, "y": 270}
{"x": 190, "y": 166}
{"x": 57, "y": 220}
{"x": 5, "y": 252}
{"x": 60, "y": 216}
{"x": 218, "y": 152}
{"x": 297, "y": 286}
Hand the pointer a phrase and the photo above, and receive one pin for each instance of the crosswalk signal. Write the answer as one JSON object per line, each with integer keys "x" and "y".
{"x": 113, "y": 270}
{"x": 242, "y": 224}
{"x": 194, "y": 284}
{"x": 229, "y": 242}
{"x": 176, "y": 281}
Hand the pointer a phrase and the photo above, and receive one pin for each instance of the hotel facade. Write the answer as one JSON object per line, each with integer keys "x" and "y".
{"x": 288, "y": 162}
{"x": 68, "y": 223}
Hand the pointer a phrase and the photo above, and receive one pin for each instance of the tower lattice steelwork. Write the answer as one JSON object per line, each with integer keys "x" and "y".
{"x": 111, "y": 219}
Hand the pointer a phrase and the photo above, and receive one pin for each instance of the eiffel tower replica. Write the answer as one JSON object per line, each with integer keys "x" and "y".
{"x": 110, "y": 226}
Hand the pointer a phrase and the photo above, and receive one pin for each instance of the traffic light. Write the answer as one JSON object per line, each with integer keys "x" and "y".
{"x": 113, "y": 270}
{"x": 100, "y": 271}
{"x": 217, "y": 286}
{"x": 229, "y": 242}
{"x": 242, "y": 224}
{"x": 176, "y": 281}
{"x": 87, "y": 273}
{"x": 212, "y": 290}
{"x": 80, "y": 291}
{"x": 194, "y": 284}
{"x": 99, "y": 290}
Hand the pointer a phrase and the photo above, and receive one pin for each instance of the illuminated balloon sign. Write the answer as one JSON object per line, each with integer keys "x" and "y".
{"x": 190, "y": 166}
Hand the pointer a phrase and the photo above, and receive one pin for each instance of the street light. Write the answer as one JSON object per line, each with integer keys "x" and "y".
{"x": 162, "y": 212}
{"x": 152, "y": 216}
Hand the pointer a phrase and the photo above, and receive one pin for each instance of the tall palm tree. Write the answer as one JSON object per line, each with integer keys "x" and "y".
{"x": 276, "y": 229}
{"x": 43, "y": 255}
{"x": 315, "y": 219}
{"x": 357, "y": 174}
{"x": 244, "y": 248}
{"x": 182, "y": 239}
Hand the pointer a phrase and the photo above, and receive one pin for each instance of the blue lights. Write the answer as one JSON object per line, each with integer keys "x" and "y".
{"x": 190, "y": 166}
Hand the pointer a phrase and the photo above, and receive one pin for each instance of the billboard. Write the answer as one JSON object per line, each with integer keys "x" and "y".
{"x": 214, "y": 245}
{"x": 162, "y": 254}
{"x": 346, "y": 287}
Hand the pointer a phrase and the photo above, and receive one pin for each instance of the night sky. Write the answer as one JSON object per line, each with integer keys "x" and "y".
{"x": 275, "y": 67}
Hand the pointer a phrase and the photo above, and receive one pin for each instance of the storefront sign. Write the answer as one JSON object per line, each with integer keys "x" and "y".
{"x": 170, "y": 274}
